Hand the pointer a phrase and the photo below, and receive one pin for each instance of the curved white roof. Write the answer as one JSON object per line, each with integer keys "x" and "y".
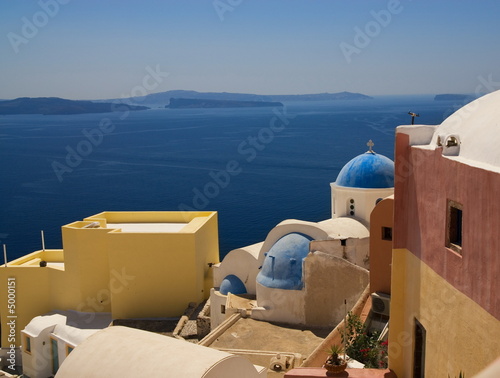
{"x": 126, "y": 352}
{"x": 72, "y": 326}
{"x": 477, "y": 126}
{"x": 345, "y": 227}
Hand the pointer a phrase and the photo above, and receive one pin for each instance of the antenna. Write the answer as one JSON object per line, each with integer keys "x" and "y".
{"x": 413, "y": 115}
{"x": 5, "y": 255}
{"x": 345, "y": 327}
{"x": 43, "y": 241}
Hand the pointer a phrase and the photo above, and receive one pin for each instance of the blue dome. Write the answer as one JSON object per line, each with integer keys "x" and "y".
{"x": 282, "y": 268}
{"x": 232, "y": 284}
{"x": 368, "y": 170}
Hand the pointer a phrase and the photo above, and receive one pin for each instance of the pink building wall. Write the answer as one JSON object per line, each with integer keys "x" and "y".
{"x": 425, "y": 181}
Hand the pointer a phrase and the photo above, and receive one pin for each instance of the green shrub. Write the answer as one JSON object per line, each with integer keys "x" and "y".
{"x": 364, "y": 346}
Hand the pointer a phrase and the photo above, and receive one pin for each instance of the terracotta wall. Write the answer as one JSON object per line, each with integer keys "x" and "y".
{"x": 425, "y": 181}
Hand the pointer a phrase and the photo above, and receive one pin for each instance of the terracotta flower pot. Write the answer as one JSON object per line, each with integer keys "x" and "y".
{"x": 336, "y": 368}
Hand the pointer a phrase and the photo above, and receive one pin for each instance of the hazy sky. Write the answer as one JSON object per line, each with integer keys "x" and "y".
{"x": 89, "y": 49}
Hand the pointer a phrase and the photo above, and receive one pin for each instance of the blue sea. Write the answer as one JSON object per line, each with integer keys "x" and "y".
{"x": 255, "y": 166}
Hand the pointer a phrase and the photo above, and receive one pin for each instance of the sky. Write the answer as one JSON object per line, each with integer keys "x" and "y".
{"x": 90, "y": 49}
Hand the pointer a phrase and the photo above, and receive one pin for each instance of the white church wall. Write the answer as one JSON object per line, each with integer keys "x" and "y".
{"x": 241, "y": 262}
{"x": 362, "y": 200}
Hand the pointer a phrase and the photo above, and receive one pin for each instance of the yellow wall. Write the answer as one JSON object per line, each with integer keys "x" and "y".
{"x": 126, "y": 273}
{"x": 28, "y": 302}
{"x": 87, "y": 269}
{"x": 460, "y": 334}
{"x": 207, "y": 249}
{"x": 157, "y": 281}
{"x": 161, "y": 280}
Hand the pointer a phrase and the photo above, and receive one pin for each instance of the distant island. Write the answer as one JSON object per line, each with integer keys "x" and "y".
{"x": 183, "y": 103}
{"x": 162, "y": 98}
{"x": 59, "y": 106}
{"x": 453, "y": 97}
{"x": 56, "y": 105}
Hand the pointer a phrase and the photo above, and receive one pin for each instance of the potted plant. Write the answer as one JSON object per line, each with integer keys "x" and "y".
{"x": 334, "y": 363}
{"x": 364, "y": 346}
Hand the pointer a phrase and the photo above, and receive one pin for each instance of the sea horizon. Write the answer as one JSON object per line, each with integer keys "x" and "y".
{"x": 282, "y": 161}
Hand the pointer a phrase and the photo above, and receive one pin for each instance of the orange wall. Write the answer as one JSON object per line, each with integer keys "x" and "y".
{"x": 381, "y": 250}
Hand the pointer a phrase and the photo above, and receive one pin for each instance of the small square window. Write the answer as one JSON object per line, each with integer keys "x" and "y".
{"x": 343, "y": 242}
{"x": 454, "y": 226}
{"x": 387, "y": 233}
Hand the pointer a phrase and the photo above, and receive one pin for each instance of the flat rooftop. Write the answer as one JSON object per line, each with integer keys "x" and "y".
{"x": 148, "y": 227}
{"x": 251, "y": 334}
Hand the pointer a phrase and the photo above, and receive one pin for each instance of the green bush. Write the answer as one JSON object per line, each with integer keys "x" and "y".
{"x": 364, "y": 346}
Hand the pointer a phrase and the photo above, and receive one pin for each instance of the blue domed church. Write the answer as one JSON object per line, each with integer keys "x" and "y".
{"x": 362, "y": 182}
{"x": 303, "y": 271}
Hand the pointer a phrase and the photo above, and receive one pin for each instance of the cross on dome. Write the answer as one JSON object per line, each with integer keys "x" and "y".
{"x": 370, "y": 144}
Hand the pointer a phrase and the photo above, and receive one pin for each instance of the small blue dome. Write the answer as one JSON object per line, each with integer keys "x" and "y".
{"x": 282, "y": 268}
{"x": 232, "y": 284}
{"x": 368, "y": 170}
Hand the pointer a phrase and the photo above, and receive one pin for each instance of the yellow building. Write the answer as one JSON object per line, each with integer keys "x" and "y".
{"x": 130, "y": 264}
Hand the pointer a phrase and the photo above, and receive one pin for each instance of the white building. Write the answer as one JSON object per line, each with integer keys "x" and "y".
{"x": 48, "y": 339}
{"x": 303, "y": 271}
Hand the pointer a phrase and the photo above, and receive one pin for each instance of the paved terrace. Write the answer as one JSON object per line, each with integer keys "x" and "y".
{"x": 253, "y": 334}
{"x": 261, "y": 341}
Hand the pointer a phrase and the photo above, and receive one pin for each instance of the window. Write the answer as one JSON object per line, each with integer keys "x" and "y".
{"x": 69, "y": 349}
{"x": 343, "y": 242}
{"x": 55, "y": 355}
{"x": 350, "y": 207}
{"x": 419, "y": 351}
{"x": 387, "y": 233}
{"x": 27, "y": 344}
{"x": 454, "y": 226}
